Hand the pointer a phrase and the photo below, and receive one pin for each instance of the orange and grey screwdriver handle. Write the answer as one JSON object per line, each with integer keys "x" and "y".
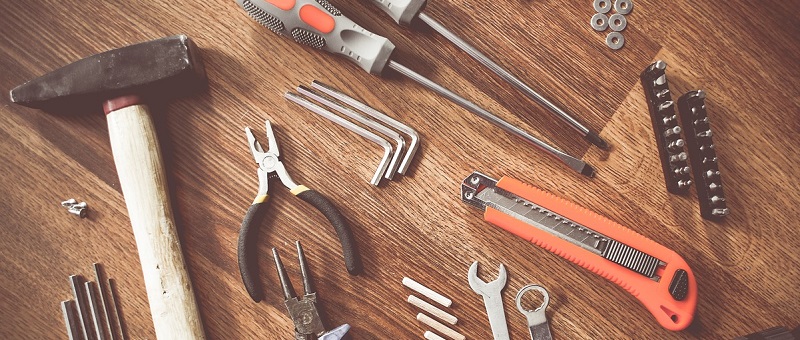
{"x": 320, "y": 25}
{"x": 657, "y": 276}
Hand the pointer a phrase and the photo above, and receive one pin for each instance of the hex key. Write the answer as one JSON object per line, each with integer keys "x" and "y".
{"x": 387, "y": 147}
{"x": 412, "y": 147}
{"x": 364, "y": 120}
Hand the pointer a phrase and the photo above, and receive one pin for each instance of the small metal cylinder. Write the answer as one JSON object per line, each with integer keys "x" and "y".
{"x": 665, "y": 105}
{"x": 681, "y": 157}
{"x": 704, "y": 134}
{"x": 720, "y": 212}
{"x": 676, "y": 145}
{"x": 672, "y": 132}
{"x": 682, "y": 170}
{"x": 78, "y": 211}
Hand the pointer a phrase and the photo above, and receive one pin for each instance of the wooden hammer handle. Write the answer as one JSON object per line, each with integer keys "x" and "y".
{"x": 144, "y": 186}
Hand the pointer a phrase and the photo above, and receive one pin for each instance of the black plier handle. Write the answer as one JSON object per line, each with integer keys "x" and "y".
{"x": 269, "y": 166}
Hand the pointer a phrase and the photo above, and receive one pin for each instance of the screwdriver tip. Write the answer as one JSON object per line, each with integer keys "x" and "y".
{"x": 595, "y": 139}
{"x": 587, "y": 171}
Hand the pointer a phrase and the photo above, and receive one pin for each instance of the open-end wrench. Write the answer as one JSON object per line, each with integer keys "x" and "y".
{"x": 492, "y": 298}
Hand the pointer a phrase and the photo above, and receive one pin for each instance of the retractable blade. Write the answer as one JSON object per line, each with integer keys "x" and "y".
{"x": 657, "y": 276}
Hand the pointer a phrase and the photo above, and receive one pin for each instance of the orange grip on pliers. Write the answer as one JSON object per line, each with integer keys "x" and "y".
{"x": 654, "y": 295}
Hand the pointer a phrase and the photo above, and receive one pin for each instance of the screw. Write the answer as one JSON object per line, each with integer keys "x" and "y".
{"x": 77, "y": 211}
{"x": 68, "y": 203}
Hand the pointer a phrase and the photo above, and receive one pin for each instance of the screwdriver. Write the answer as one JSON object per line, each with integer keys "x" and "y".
{"x": 404, "y": 12}
{"x": 319, "y": 24}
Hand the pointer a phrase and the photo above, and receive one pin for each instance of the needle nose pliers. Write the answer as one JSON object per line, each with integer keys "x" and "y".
{"x": 269, "y": 167}
{"x": 303, "y": 310}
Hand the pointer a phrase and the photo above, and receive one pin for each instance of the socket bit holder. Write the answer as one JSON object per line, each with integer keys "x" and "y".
{"x": 702, "y": 155}
{"x": 667, "y": 132}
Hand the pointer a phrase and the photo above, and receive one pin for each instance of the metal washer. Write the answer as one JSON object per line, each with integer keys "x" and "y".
{"x": 623, "y": 6}
{"x": 600, "y": 9}
{"x": 614, "y": 18}
{"x": 619, "y": 38}
{"x": 599, "y": 22}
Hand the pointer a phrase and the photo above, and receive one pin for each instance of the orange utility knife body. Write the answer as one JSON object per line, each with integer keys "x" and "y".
{"x": 654, "y": 274}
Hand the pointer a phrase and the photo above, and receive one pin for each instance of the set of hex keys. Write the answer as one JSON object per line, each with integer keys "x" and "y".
{"x": 390, "y": 163}
{"x": 94, "y": 312}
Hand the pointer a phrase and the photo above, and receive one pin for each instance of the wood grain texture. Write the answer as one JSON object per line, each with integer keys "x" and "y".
{"x": 744, "y": 54}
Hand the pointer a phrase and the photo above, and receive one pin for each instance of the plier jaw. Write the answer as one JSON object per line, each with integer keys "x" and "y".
{"x": 303, "y": 310}
{"x": 269, "y": 163}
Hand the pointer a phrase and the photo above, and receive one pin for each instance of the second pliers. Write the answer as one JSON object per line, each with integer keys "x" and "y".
{"x": 269, "y": 167}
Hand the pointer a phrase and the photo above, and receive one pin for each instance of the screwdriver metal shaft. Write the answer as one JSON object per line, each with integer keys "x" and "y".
{"x": 324, "y": 27}
{"x": 589, "y": 135}
{"x": 574, "y": 163}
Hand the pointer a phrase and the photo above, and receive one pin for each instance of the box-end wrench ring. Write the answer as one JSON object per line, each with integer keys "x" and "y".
{"x": 537, "y": 319}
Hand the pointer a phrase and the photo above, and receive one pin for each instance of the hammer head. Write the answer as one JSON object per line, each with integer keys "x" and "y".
{"x": 166, "y": 66}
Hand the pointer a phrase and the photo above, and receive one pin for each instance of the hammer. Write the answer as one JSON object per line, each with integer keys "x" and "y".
{"x": 121, "y": 80}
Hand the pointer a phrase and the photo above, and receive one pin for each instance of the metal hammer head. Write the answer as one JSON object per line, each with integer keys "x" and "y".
{"x": 166, "y": 66}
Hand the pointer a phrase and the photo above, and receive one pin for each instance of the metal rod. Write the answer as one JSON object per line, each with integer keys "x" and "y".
{"x": 589, "y": 135}
{"x": 574, "y": 163}
{"x": 412, "y": 147}
{"x": 71, "y": 320}
{"x": 99, "y": 276}
{"x": 363, "y": 120}
{"x": 76, "y": 283}
{"x": 94, "y": 305}
{"x": 114, "y": 301}
{"x": 387, "y": 147}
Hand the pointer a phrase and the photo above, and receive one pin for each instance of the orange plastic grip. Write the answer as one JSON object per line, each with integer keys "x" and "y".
{"x": 317, "y": 18}
{"x": 670, "y": 313}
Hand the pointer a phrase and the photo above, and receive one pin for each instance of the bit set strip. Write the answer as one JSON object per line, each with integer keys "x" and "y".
{"x": 667, "y": 132}
{"x": 432, "y": 310}
{"x": 702, "y": 155}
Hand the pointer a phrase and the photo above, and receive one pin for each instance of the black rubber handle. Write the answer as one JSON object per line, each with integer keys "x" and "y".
{"x": 248, "y": 264}
{"x": 352, "y": 260}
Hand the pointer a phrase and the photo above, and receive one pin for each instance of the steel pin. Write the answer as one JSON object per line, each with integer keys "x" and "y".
{"x": 704, "y": 134}
{"x": 673, "y": 131}
{"x": 682, "y": 170}
{"x": 665, "y": 105}
{"x": 678, "y": 158}
{"x": 720, "y": 212}
{"x": 676, "y": 145}
{"x": 711, "y": 173}
{"x": 660, "y": 80}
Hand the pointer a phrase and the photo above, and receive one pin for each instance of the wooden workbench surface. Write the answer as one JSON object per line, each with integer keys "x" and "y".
{"x": 743, "y": 53}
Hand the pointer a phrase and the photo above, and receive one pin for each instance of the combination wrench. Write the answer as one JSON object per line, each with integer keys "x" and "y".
{"x": 492, "y": 298}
